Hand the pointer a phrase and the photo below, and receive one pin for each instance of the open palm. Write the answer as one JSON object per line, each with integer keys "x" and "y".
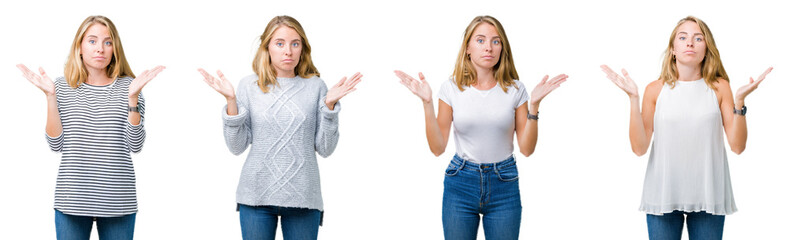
{"x": 420, "y": 87}
{"x": 42, "y": 81}
{"x": 625, "y": 83}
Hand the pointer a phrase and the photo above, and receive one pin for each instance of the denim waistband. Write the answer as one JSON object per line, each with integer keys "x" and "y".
{"x": 465, "y": 164}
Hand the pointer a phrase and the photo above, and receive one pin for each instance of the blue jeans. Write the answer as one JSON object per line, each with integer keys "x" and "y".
{"x": 701, "y": 226}
{"x": 490, "y": 189}
{"x": 71, "y": 227}
{"x": 261, "y": 222}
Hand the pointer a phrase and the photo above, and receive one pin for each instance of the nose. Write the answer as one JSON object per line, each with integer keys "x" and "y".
{"x": 689, "y": 42}
{"x": 489, "y": 46}
{"x": 288, "y": 51}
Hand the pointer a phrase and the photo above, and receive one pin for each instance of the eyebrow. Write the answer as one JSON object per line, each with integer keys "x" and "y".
{"x": 94, "y": 36}
{"x": 282, "y": 39}
{"x": 693, "y": 34}
{"x": 480, "y": 35}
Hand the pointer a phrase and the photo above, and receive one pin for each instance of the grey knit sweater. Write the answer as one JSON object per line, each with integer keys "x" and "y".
{"x": 285, "y": 127}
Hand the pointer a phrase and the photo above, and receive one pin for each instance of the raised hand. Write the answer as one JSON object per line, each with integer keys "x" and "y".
{"x": 221, "y": 85}
{"x": 43, "y": 81}
{"x": 138, "y": 83}
{"x": 544, "y": 87}
{"x": 342, "y": 88}
{"x": 745, "y": 90}
{"x": 420, "y": 87}
{"x": 627, "y": 84}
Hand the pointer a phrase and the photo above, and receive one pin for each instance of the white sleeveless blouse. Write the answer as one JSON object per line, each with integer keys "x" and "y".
{"x": 688, "y": 168}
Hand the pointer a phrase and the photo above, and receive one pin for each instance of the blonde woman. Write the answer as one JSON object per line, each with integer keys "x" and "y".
{"x": 687, "y": 110}
{"x": 95, "y": 119}
{"x": 487, "y": 105}
{"x": 285, "y": 114}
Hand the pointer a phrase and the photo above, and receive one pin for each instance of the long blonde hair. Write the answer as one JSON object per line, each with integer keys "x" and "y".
{"x": 267, "y": 75}
{"x": 711, "y": 66}
{"x": 504, "y": 71}
{"x": 75, "y": 71}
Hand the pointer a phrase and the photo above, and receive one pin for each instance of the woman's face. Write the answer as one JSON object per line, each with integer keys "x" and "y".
{"x": 285, "y": 51}
{"x": 484, "y": 46}
{"x": 96, "y": 47}
{"x": 689, "y": 44}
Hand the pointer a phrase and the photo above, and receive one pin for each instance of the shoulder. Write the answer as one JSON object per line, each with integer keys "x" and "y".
{"x": 653, "y": 89}
{"x": 518, "y": 84}
{"x": 449, "y": 84}
{"x": 247, "y": 81}
{"x": 61, "y": 81}
{"x": 315, "y": 81}
{"x": 125, "y": 80}
{"x": 722, "y": 85}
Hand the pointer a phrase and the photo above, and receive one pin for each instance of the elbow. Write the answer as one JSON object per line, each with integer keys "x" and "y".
{"x": 527, "y": 152}
{"x": 639, "y": 151}
{"x": 738, "y": 149}
{"x": 437, "y": 152}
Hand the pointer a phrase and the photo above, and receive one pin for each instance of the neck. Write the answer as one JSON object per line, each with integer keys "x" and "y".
{"x": 485, "y": 77}
{"x": 97, "y": 77}
{"x": 288, "y": 74}
{"x": 688, "y": 72}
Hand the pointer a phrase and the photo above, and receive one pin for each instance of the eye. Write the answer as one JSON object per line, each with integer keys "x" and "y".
{"x": 92, "y": 41}
{"x": 496, "y": 42}
{"x": 698, "y": 39}
{"x": 480, "y": 41}
{"x": 108, "y": 43}
{"x": 682, "y": 38}
{"x": 295, "y": 44}
{"x": 279, "y": 44}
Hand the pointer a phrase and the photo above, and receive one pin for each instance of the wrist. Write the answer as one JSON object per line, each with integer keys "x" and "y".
{"x": 738, "y": 104}
{"x": 132, "y": 102}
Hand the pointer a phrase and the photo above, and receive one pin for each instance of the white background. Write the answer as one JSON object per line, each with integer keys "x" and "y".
{"x": 382, "y": 182}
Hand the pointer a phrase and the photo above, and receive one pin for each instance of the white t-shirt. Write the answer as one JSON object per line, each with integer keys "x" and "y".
{"x": 484, "y": 119}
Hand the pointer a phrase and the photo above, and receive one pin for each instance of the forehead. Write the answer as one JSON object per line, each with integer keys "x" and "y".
{"x": 97, "y": 29}
{"x": 689, "y": 27}
{"x": 285, "y": 32}
{"x": 485, "y": 29}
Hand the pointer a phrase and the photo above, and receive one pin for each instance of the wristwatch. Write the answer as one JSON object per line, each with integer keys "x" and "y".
{"x": 532, "y": 117}
{"x": 134, "y": 109}
{"x": 741, "y": 111}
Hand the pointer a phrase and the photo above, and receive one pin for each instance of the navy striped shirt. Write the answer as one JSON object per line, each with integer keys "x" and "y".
{"x": 96, "y": 175}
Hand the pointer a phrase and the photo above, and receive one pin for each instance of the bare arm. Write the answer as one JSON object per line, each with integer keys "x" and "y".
{"x": 734, "y": 124}
{"x": 436, "y": 128}
{"x": 136, "y": 87}
{"x": 641, "y": 122}
{"x": 53, "y": 127}
{"x": 526, "y": 129}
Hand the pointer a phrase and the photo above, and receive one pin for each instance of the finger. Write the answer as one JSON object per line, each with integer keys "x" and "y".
{"x": 24, "y": 68}
{"x": 422, "y": 77}
{"x": 340, "y": 83}
{"x": 43, "y": 73}
{"x": 400, "y": 74}
{"x": 544, "y": 79}
{"x": 607, "y": 70}
{"x": 221, "y": 75}
{"x": 627, "y": 75}
{"x": 761, "y": 77}
{"x": 558, "y": 78}
{"x": 353, "y": 82}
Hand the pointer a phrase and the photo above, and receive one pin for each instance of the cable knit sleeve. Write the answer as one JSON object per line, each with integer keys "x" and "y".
{"x": 326, "y": 133}
{"x": 237, "y": 129}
